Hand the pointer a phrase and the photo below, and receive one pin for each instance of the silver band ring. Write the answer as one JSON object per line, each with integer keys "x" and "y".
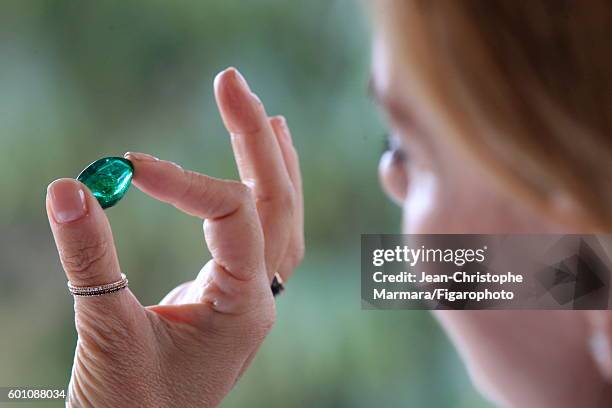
{"x": 99, "y": 290}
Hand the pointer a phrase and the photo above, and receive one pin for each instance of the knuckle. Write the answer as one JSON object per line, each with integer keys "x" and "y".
{"x": 297, "y": 254}
{"x": 269, "y": 318}
{"x": 195, "y": 187}
{"x": 106, "y": 335}
{"x": 287, "y": 200}
{"x": 239, "y": 197}
{"x": 284, "y": 200}
{"x": 82, "y": 256}
{"x": 243, "y": 192}
{"x": 296, "y": 156}
{"x": 264, "y": 322}
{"x": 258, "y": 323}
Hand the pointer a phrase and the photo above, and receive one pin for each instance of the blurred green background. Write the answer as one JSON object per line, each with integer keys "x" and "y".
{"x": 80, "y": 80}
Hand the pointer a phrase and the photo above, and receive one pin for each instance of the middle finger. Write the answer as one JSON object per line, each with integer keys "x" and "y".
{"x": 259, "y": 159}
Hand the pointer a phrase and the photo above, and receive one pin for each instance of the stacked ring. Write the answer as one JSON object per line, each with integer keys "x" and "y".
{"x": 99, "y": 290}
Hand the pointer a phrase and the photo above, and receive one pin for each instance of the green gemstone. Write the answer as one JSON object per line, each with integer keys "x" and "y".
{"x": 108, "y": 179}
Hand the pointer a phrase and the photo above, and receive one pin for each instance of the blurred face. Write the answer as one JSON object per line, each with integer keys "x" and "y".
{"x": 439, "y": 187}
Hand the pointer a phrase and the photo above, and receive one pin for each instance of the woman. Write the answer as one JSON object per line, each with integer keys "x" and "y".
{"x": 501, "y": 118}
{"x": 501, "y": 122}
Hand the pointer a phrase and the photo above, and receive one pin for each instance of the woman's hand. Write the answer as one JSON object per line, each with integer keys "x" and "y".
{"x": 190, "y": 350}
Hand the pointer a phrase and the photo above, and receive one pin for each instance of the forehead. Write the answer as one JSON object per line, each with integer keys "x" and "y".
{"x": 390, "y": 64}
{"x": 392, "y": 83}
{"x": 402, "y": 87}
{"x": 384, "y": 80}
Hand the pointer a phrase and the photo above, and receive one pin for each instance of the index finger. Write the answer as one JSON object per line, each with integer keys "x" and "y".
{"x": 234, "y": 234}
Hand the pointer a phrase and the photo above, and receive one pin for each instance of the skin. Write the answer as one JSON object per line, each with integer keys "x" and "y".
{"x": 515, "y": 358}
{"x": 189, "y": 350}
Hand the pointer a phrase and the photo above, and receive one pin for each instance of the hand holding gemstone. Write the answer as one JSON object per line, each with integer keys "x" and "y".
{"x": 190, "y": 349}
{"x": 108, "y": 179}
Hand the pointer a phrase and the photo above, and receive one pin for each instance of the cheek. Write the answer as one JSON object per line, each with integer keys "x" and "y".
{"x": 452, "y": 199}
{"x": 465, "y": 204}
{"x": 451, "y": 203}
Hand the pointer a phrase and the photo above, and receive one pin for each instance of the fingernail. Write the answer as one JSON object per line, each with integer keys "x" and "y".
{"x": 241, "y": 109}
{"x": 178, "y": 166}
{"x": 281, "y": 122}
{"x": 140, "y": 156}
{"x": 600, "y": 348}
{"x": 285, "y": 127}
{"x": 244, "y": 85}
{"x": 241, "y": 83}
{"x": 67, "y": 200}
{"x": 256, "y": 98}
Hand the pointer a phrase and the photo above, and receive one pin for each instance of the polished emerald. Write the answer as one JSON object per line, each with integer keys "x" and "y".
{"x": 108, "y": 179}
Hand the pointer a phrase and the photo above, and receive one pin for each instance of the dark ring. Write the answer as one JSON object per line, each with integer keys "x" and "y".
{"x": 277, "y": 285}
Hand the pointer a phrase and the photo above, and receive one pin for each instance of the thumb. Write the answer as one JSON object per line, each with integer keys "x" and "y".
{"x": 87, "y": 252}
